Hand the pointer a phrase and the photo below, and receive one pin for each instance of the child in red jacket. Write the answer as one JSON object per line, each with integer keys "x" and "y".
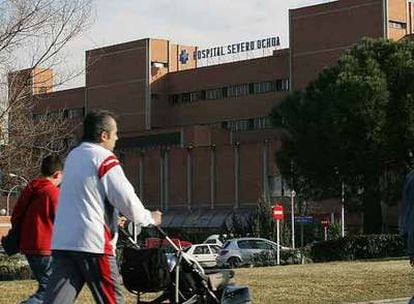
{"x": 35, "y": 213}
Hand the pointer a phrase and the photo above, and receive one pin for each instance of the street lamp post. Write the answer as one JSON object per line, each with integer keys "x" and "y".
{"x": 25, "y": 182}
{"x": 8, "y": 199}
{"x": 19, "y": 176}
{"x": 292, "y": 195}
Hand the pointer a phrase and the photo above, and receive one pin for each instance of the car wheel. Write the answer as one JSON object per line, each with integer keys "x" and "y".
{"x": 234, "y": 262}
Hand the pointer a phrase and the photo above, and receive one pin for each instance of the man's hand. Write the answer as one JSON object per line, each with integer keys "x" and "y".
{"x": 122, "y": 221}
{"x": 411, "y": 260}
{"x": 156, "y": 216}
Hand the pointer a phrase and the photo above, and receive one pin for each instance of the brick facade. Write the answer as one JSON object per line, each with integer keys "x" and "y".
{"x": 199, "y": 138}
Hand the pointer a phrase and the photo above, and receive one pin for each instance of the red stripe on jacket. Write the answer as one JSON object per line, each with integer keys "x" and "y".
{"x": 108, "y": 249}
{"x": 108, "y": 286}
{"x": 107, "y": 164}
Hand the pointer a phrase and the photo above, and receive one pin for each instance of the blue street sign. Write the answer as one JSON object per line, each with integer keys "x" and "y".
{"x": 304, "y": 219}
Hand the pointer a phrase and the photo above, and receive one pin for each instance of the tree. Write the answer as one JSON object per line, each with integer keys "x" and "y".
{"x": 353, "y": 124}
{"x": 34, "y": 34}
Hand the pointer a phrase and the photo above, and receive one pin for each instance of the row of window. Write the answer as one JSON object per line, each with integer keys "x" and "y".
{"x": 245, "y": 124}
{"x": 245, "y": 89}
{"x": 77, "y": 113}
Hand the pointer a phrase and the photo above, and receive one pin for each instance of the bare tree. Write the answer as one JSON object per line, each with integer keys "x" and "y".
{"x": 33, "y": 35}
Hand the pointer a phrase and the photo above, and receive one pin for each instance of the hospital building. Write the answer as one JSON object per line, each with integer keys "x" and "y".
{"x": 196, "y": 140}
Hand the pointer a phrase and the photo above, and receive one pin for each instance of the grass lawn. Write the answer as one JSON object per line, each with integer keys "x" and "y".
{"x": 338, "y": 282}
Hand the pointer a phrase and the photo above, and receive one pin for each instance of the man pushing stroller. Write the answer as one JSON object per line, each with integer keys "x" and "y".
{"x": 93, "y": 192}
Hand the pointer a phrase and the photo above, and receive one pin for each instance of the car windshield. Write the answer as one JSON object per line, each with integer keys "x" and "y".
{"x": 226, "y": 244}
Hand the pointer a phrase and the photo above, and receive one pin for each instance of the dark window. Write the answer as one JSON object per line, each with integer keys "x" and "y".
{"x": 251, "y": 88}
{"x": 263, "y": 87}
{"x": 238, "y": 90}
{"x": 224, "y": 92}
{"x": 185, "y": 97}
{"x": 173, "y": 99}
{"x": 214, "y": 94}
{"x": 201, "y": 250}
{"x": 215, "y": 248}
{"x": 195, "y": 96}
{"x": 203, "y": 95}
{"x": 155, "y": 96}
{"x": 397, "y": 25}
{"x": 244, "y": 244}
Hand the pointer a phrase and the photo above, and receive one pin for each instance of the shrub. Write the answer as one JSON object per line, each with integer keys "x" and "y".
{"x": 14, "y": 268}
{"x": 357, "y": 247}
{"x": 269, "y": 258}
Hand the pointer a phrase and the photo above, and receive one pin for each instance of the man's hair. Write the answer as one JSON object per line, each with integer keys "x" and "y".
{"x": 51, "y": 164}
{"x": 95, "y": 123}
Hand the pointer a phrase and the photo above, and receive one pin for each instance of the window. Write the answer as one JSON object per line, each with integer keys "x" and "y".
{"x": 263, "y": 87}
{"x": 214, "y": 94}
{"x": 239, "y": 125}
{"x": 159, "y": 65}
{"x": 282, "y": 85}
{"x": 195, "y": 96}
{"x": 258, "y": 244}
{"x": 244, "y": 244}
{"x": 75, "y": 113}
{"x": 275, "y": 185}
{"x": 173, "y": 99}
{"x": 262, "y": 123}
{"x": 184, "y": 98}
{"x": 397, "y": 25}
{"x": 201, "y": 250}
{"x": 215, "y": 248}
{"x": 238, "y": 90}
{"x": 155, "y": 96}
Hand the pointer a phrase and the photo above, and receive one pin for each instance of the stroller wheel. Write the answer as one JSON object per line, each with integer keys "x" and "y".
{"x": 234, "y": 262}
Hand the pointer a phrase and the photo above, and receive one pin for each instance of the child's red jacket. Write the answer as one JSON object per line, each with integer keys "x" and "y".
{"x": 35, "y": 213}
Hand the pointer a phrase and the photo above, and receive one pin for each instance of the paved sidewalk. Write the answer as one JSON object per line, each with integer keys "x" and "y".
{"x": 385, "y": 301}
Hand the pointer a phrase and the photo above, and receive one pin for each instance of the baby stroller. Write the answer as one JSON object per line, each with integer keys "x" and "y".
{"x": 178, "y": 277}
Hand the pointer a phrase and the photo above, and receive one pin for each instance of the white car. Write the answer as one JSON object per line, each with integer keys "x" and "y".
{"x": 205, "y": 254}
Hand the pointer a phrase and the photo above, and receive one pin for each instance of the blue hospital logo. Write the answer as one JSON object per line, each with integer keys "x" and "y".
{"x": 183, "y": 56}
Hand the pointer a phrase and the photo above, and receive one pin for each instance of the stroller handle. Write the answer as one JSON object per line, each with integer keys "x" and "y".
{"x": 159, "y": 229}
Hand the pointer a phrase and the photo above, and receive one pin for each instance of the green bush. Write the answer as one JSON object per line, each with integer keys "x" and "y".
{"x": 357, "y": 247}
{"x": 14, "y": 268}
{"x": 269, "y": 258}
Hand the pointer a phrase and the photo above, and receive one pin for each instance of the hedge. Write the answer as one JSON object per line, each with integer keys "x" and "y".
{"x": 14, "y": 268}
{"x": 357, "y": 247}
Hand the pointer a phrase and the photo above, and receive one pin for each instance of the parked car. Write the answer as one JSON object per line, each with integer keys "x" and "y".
{"x": 205, "y": 254}
{"x": 214, "y": 239}
{"x": 242, "y": 251}
{"x": 161, "y": 242}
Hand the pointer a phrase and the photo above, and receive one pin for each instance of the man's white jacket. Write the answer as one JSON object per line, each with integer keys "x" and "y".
{"x": 93, "y": 192}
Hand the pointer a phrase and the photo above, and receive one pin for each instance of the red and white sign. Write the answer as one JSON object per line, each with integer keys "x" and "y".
{"x": 277, "y": 212}
{"x": 325, "y": 222}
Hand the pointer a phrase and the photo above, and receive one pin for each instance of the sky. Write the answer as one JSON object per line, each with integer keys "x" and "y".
{"x": 203, "y": 23}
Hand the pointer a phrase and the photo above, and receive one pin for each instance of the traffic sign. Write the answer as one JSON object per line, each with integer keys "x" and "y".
{"x": 325, "y": 222}
{"x": 304, "y": 219}
{"x": 277, "y": 212}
